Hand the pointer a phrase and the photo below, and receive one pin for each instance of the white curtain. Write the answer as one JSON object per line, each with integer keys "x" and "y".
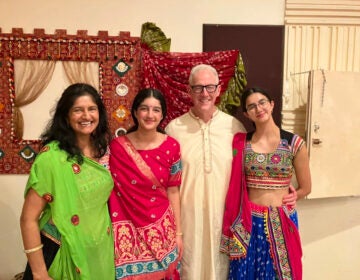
{"x": 82, "y": 72}
{"x": 31, "y": 77}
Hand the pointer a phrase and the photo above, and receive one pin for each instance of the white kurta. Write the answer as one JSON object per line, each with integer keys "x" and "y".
{"x": 206, "y": 154}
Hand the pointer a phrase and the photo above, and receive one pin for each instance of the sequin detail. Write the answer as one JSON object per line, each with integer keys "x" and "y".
{"x": 48, "y": 197}
{"x": 76, "y": 168}
{"x": 75, "y": 220}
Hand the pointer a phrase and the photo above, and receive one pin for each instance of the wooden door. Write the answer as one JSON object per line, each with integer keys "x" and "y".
{"x": 333, "y": 133}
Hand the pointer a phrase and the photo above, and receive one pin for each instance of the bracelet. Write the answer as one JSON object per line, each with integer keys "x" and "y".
{"x": 179, "y": 233}
{"x": 28, "y": 251}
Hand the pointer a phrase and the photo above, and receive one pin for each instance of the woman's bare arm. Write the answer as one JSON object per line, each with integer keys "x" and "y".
{"x": 29, "y": 224}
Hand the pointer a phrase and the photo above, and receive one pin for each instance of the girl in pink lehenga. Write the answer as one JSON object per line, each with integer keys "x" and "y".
{"x": 145, "y": 203}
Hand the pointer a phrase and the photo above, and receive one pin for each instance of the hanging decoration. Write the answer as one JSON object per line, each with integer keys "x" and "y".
{"x": 122, "y": 89}
{"x": 169, "y": 72}
{"x": 116, "y": 86}
{"x": 121, "y": 67}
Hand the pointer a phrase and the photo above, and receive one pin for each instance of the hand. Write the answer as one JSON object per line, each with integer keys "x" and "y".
{"x": 179, "y": 243}
{"x": 291, "y": 198}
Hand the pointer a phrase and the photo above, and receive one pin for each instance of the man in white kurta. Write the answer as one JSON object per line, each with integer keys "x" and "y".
{"x": 205, "y": 135}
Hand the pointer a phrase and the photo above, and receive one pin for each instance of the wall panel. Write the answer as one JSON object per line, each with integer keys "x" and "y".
{"x": 319, "y": 34}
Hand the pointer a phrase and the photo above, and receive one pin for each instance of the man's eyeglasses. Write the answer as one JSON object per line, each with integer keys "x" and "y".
{"x": 199, "y": 89}
{"x": 262, "y": 103}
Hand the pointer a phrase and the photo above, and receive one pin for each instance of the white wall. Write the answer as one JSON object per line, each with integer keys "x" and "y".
{"x": 329, "y": 230}
{"x": 329, "y": 227}
{"x": 180, "y": 20}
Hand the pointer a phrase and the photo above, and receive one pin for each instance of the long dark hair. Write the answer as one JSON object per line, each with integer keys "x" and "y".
{"x": 250, "y": 91}
{"x": 139, "y": 98}
{"x": 58, "y": 128}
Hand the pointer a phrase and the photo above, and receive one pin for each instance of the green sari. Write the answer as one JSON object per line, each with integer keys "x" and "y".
{"x": 77, "y": 205}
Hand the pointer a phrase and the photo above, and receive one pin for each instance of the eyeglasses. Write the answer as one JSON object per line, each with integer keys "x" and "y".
{"x": 262, "y": 103}
{"x": 199, "y": 89}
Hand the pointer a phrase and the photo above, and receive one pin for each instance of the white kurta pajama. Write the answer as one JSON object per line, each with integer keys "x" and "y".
{"x": 206, "y": 156}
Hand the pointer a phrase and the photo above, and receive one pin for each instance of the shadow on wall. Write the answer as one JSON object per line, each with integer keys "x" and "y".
{"x": 320, "y": 218}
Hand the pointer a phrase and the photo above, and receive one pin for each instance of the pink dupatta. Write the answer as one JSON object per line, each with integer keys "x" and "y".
{"x": 237, "y": 208}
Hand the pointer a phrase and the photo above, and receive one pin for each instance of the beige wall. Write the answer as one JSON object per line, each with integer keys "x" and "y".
{"x": 329, "y": 227}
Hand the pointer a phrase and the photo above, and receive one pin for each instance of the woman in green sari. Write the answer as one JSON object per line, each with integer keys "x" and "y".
{"x": 65, "y": 224}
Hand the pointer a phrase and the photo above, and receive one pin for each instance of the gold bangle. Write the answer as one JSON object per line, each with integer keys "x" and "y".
{"x": 32, "y": 250}
{"x": 179, "y": 233}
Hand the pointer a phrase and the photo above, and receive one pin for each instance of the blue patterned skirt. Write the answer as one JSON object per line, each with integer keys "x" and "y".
{"x": 258, "y": 263}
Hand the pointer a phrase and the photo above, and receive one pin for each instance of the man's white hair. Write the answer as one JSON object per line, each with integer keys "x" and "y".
{"x": 201, "y": 67}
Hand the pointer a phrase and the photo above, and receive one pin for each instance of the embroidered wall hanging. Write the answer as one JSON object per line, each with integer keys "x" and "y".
{"x": 118, "y": 58}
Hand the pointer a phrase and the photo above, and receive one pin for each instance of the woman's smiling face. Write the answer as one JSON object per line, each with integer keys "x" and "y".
{"x": 83, "y": 116}
{"x": 149, "y": 114}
